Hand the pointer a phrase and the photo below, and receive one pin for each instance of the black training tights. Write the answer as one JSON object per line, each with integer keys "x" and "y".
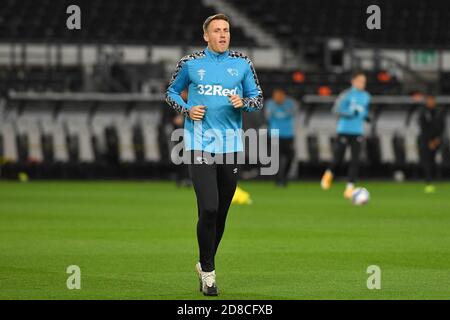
{"x": 214, "y": 186}
{"x": 355, "y": 147}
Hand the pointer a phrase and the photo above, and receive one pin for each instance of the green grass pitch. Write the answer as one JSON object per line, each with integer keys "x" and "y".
{"x": 136, "y": 240}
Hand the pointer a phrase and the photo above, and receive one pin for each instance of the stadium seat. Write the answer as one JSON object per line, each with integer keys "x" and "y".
{"x": 10, "y": 152}
{"x": 55, "y": 129}
{"x": 75, "y": 116}
{"x": 127, "y": 153}
{"x": 323, "y": 127}
{"x": 411, "y": 139}
{"x": 103, "y": 121}
{"x": 389, "y": 125}
{"x": 301, "y": 137}
{"x": 148, "y": 119}
{"x": 28, "y": 129}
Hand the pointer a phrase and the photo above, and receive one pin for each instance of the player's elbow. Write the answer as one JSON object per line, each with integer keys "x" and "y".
{"x": 259, "y": 102}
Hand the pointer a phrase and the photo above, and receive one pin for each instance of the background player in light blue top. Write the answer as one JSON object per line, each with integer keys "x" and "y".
{"x": 280, "y": 112}
{"x": 221, "y": 85}
{"x": 352, "y": 109}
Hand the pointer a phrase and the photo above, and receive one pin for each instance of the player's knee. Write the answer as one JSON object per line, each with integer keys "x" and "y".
{"x": 209, "y": 212}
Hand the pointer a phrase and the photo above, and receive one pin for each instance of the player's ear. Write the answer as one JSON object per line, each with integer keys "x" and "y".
{"x": 205, "y": 37}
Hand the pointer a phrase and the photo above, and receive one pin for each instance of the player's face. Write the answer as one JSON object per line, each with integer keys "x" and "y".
{"x": 218, "y": 35}
{"x": 279, "y": 96}
{"x": 430, "y": 102}
{"x": 359, "y": 82}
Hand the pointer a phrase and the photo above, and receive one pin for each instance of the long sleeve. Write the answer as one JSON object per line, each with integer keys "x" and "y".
{"x": 178, "y": 82}
{"x": 365, "y": 114}
{"x": 253, "y": 96}
{"x": 342, "y": 106}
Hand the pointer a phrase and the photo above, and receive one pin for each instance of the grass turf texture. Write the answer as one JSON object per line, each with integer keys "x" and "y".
{"x": 136, "y": 240}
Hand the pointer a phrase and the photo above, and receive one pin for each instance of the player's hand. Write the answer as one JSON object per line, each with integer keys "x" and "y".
{"x": 196, "y": 113}
{"x": 357, "y": 110}
{"x": 431, "y": 145}
{"x": 178, "y": 120}
{"x": 434, "y": 144}
{"x": 236, "y": 101}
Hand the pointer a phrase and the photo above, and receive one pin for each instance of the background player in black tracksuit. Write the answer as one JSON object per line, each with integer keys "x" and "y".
{"x": 432, "y": 127}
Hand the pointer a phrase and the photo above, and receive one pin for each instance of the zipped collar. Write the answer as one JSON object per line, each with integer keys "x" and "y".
{"x": 217, "y": 57}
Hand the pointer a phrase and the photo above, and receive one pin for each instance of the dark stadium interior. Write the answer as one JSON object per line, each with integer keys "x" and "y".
{"x": 112, "y": 21}
{"x": 408, "y": 23}
{"x": 303, "y": 27}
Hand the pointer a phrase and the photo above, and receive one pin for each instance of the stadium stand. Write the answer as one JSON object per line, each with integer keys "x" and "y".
{"x": 40, "y": 78}
{"x": 96, "y": 131}
{"x": 417, "y": 23}
{"x": 311, "y": 82}
{"x": 138, "y": 21}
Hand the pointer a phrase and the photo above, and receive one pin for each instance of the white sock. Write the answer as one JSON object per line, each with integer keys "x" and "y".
{"x": 350, "y": 185}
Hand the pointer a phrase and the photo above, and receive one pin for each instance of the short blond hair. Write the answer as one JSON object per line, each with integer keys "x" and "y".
{"x": 218, "y": 16}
